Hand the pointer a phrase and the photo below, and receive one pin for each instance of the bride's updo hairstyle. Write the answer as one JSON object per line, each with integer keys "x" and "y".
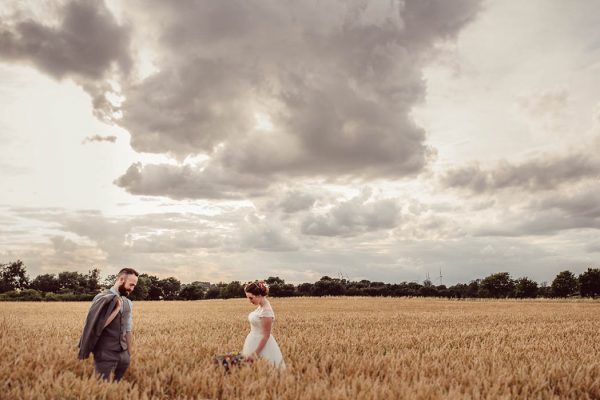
{"x": 257, "y": 288}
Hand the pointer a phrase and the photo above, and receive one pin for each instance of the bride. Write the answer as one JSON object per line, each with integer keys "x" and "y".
{"x": 260, "y": 342}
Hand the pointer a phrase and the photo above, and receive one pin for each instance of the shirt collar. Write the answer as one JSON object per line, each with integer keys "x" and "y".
{"x": 112, "y": 289}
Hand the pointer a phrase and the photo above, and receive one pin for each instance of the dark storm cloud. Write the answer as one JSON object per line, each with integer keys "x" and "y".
{"x": 86, "y": 43}
{"x": 543, "y": 173}
{"x": 336, "y": 81}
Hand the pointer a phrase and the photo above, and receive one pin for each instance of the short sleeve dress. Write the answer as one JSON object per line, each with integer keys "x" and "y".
{"x": 271, "y": 351}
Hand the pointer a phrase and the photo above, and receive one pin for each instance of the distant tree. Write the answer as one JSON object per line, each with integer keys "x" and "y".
{"x": 460, "y": 290}
{"x": 170, "y": 287}
{"x": 233, "y": 289}
{"x": 45, "y": 283}
{"x": 305, "y": 289}
{"x": 274, "y": 280}
{"x": 329, "y": 287}
{"x": 142, "y": 289}
{"x": 443, "y": 291}
{"x": 71, "y": 281}
{"x": 376, "y": 289}
{"x": 192, "y": 291}
{"x": 155, "y": 290}
{"x": 589, "y": 283}
{"x": 526, "y": 288}
{"x": 497, "y": 285}
{"x": 75, "y": 282}
{"x": 473, "y": 288}
{"x": 92, "y": 281}
{"x": 413, "y": 288}
{"x": 544, "y": 290}
{"x": 564, "y": 284}
{"x": 282, "y": 290}
{"x": 13, "y": 276}
{"x": 278, "y": 287}
{"x": 214, "y": 292}
{"x": 428, "y": 289}
{"x": 109, "y": 281}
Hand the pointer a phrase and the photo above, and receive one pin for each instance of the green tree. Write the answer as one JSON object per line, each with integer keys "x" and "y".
{"x": 142, "y": 289}
{"x": 278, "y": 287}
{"x": 305, "y": 289}
{"x": 13, "y": 276}
{"x": 565, "y": 284}
{"x": 214, "y": 292}
{"x": 459, "y": 290}
{"x": 428, "y": 289}
{"x": 192, "y": 291}
{"x": 274, "y": 280}
{"x": 45, "y": 283}
{"x": 170, "y": 287}
{"x": 109, "y": 281}
{"x": 70, "y": 281}
{"x": 525, "y": 288}
{"x": 497, "y": 285}
{"x": 473, "y": 288}
{"x": 545, "y": 290}
{"x": 155, "y": 291}
{"x": 233, "y": 289}
{"x": 92, "y": 281}
{"x": 589, "y": 283}
{"x": 327, "y": 286}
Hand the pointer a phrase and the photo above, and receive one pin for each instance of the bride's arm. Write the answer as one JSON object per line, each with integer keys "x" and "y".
{"x": 267, "y": 323}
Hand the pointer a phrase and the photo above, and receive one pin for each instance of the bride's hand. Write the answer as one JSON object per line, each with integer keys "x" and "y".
{"x": 251, "y": 357}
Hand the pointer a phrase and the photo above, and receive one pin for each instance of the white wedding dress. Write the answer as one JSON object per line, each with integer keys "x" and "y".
{"x": 271, "y": 351}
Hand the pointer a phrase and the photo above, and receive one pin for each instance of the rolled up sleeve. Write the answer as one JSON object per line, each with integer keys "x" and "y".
{"x": 129, "y": 323}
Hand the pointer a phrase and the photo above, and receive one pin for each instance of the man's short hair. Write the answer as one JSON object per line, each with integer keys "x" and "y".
{"x": 127, "y": 271}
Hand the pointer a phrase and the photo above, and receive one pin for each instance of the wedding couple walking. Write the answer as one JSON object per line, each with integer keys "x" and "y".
{"x": 108, "y": 326}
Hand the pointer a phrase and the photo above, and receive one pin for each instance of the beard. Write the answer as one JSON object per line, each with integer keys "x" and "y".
{"x": 123, "y": 291}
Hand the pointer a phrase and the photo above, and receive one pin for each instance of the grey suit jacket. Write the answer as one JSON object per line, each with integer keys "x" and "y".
{"x": 103, "y": 304}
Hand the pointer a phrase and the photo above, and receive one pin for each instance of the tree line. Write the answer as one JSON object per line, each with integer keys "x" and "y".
{"x": 16, "y": 285}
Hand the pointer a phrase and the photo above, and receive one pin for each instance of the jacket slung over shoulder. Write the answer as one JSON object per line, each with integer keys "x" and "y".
{"x": 101, "y": 308}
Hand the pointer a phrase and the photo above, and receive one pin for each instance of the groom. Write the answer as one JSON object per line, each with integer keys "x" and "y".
{"x": 107, "y": 330}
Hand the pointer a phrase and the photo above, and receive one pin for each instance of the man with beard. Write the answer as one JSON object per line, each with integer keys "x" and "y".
{"x": 107, "y": 330}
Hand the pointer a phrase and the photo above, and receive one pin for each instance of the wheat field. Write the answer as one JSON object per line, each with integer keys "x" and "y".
{"x": 335, "y": 348}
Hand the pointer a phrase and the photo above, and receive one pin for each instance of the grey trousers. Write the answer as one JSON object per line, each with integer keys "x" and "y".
{"x": 107, "y": 361}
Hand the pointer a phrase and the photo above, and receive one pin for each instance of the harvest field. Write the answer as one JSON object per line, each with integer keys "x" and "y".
{"x": 335, "y": 348}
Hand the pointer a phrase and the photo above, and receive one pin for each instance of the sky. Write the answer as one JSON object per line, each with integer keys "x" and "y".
{"x": 382, "y": 140}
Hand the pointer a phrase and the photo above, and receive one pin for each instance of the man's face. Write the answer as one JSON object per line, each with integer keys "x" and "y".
{"x": 127, "y": 284}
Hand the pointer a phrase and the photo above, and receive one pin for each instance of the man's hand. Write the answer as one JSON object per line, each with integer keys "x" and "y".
{"x": 115, "y": 312}
{"x": 129, "y": 339}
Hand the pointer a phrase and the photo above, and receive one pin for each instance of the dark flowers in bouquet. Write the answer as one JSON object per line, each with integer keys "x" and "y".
{"x": 231, "y": 359}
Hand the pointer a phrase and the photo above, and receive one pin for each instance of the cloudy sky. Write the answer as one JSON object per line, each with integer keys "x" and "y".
{"x": 235, "y": 140}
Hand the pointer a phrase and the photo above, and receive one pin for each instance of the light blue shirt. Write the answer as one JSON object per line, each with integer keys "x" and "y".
{"x": 129, "y": 322}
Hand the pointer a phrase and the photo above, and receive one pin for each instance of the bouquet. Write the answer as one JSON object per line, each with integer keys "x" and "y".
{"x": 229, "y": 360}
